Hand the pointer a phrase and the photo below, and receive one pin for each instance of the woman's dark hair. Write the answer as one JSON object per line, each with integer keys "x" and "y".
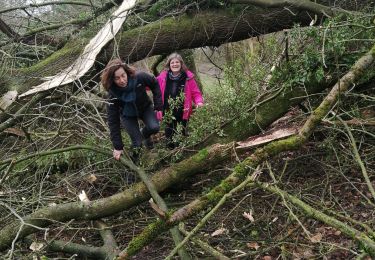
{"x": 175, "y": 55}
{"x": 110, "y": 69}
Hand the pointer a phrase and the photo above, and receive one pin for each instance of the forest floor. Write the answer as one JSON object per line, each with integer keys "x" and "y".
{"x": 277, "y": 229}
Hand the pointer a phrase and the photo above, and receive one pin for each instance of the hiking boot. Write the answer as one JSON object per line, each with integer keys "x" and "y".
{"x": 171, "y": 145}
{"x": 149, "y": 143}
{"x": 135, "y": 155}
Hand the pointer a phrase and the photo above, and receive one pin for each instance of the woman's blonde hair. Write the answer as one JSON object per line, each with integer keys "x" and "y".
{"x": 177, "y": 56}
{"x": 109, "y": 72}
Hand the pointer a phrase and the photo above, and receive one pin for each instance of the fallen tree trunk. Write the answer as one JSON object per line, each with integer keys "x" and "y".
{"x": 303, "y": 5}
{"x": 87, "y": 58}
{"x": 206, "y": 28}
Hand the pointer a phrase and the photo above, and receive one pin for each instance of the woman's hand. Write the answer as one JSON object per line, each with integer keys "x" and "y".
{"x": 199, "y": 105}
{"x": 117, "y": 154}
{"x": 159, "y": 115}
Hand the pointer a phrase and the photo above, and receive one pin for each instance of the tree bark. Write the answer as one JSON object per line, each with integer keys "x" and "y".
{"x": 4, "y": 28}
{"x": 188, "y": 56}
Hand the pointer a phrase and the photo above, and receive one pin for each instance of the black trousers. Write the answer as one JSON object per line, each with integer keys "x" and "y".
{"x": 132, "y": 126}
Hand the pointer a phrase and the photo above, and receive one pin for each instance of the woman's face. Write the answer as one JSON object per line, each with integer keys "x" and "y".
{"x": 120, "y": 78}
{"x": 175, "y": 65}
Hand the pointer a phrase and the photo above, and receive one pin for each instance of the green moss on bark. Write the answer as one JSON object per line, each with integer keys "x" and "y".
{"x": 200, "y": 156}
{"x": 274, "y": 148}
{"x": 55, "y": 63}
{"x": 147, "y": 236}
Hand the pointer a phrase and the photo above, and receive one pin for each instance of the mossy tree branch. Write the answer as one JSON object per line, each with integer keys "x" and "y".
{"x": 5, "y": 28}
{"x": 80, "y": 250}
{"x": 176, "y": 235}
{"x": 204, "y": 220}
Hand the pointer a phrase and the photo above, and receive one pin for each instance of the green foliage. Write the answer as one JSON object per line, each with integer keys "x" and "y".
{"x": 235, "y": 94}
{"x": 93, "y": 157}
{"x": 319, "y": 52}
{"x": 174, "y": 104}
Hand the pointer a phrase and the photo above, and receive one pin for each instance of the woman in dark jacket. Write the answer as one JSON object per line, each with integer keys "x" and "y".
{"x": 128, "y": 100}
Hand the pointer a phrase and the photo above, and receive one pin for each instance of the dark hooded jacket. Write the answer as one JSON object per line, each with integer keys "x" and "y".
{"x": 131, "y": 101}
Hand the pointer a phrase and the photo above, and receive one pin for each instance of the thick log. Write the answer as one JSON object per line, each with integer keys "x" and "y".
{"x": 206, "y": 28}
{"x": 303, "y": 5}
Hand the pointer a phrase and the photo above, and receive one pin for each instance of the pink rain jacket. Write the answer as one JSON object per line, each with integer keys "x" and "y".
{"x": 192, "y": 92}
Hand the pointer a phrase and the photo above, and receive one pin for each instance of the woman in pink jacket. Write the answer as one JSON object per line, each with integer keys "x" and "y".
{"x": 177, "y": 82}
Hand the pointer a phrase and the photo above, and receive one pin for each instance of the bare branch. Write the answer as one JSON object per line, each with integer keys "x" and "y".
{"x": 7, "y": 30}
{"x": 36, "y": 5}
